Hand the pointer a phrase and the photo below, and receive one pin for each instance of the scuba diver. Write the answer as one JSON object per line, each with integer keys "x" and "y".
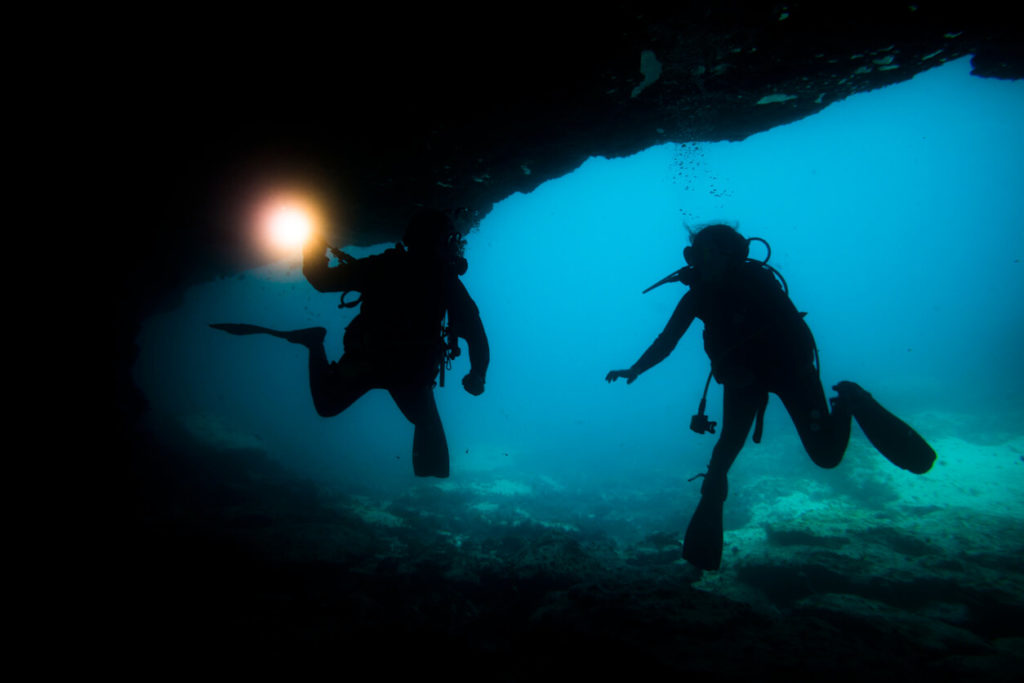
{"x": 758, "y": 343}
{"x": 398, "y": 341}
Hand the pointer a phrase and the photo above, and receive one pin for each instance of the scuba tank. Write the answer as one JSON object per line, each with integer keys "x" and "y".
{"x": 452, "y": 256}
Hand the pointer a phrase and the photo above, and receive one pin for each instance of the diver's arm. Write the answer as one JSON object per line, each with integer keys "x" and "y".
{"x": 666, "y": 342}
{"x": 464, "y": 317}
{"x": 318, "y": 271}
{"x": 677, "y": 325}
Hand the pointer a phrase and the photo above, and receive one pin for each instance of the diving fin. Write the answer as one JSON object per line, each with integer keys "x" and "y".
{"x": 309, "y": 336}
{"x": 430, "y": 464}
{"x": 702, "y": 546}
{"x": 893, "y": 437}
{"x": 430, "y": 449}
{"x": 243, "y": 328}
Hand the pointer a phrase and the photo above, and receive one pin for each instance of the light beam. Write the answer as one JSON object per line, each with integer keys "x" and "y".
{"x": 285, "y": 222}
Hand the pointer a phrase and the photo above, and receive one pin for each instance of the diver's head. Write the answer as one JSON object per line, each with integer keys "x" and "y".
{"x": 428, "y": 231}
{"x": 431, "y": 234}
{"x": 715, "y": 251}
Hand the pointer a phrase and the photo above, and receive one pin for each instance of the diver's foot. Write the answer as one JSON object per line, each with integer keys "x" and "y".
{"x": 851, "y": 393}
{"x": 850, "y": 397}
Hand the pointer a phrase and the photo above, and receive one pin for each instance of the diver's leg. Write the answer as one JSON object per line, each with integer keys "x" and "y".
{"x": 429, "y": 445}
{"x": 739, "y": 408}
{"x": 893, "y": 437}
{"x": 702, "y": 545}
{"x": 335, "y": 387}
{"x": 823, "y": 434}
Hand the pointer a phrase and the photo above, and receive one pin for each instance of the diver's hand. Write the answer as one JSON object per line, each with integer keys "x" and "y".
{"x": 315, "y": 248}
{"x": 630, "y": 375}
{"x": 473, "y": 383}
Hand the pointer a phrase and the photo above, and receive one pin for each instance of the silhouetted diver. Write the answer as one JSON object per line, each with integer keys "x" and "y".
{"x": 759, "y": 343}
{"x": 398, "y": 340}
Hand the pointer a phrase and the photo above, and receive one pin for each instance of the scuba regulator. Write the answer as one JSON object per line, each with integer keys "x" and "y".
{"x": 688, "y": 273}
{"x": 455, "y": 262}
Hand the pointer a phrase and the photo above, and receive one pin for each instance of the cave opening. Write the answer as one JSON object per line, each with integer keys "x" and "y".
{"x": 895, "y": 217}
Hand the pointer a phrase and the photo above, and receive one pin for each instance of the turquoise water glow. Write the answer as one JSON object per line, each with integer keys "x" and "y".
{"x": 896, "y": 216}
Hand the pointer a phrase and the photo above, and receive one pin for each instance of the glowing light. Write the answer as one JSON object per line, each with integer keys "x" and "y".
{"x": 290, "y": 226}
{"x": 287, "y": 221}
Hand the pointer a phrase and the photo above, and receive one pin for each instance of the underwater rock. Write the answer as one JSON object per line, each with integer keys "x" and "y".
{"x": 656, "y": 549}
{"x": 956, "y": 653}
{"x": 927, "y": 573}
{"x": 786, "y": 537}
{"x": 857, "y": 613}
{"x": 526, "y": 600}
{"x": 554, "y": 560}
{"x": 282, "y": 568}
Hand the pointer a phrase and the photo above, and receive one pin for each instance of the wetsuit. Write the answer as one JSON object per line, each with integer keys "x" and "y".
{"x": 758, "y": 343}
{"x": 395, "y": 342}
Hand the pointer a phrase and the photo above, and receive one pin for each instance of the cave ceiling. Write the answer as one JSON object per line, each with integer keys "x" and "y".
{"x": 382, "y": 111}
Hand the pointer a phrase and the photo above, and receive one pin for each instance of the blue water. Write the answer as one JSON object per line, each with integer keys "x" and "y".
{"x": 897, "y": 219}
{"x": 896, "y": 216}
